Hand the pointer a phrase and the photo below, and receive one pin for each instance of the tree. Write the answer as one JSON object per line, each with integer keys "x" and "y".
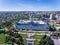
{"x": 52, "y": 27}
{"x": 7, "y": 38}
{"x": 46, "y": 41}
{"x": 59, "y": 29}
{"x": 2, "y": 31}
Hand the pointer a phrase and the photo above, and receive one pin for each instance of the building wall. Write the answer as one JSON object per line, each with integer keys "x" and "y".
{"x": 33, "y": 27}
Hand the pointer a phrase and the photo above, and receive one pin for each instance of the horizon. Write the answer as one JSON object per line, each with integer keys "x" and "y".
{"x": 29, "y": 5}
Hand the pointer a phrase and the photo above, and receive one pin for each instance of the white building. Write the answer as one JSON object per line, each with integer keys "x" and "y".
{"x": 32, "y": 25}
{"x": 30, "y": 39}
{"x": 57, "y": 26}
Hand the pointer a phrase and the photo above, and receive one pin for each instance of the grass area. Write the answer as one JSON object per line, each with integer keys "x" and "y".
{"x": 25, "y": 41}
{"x": 23, "y": 35}
{"x": 38, "y": 38}
{"x": 2, "y": 38}
{"x": 36, "y": 42}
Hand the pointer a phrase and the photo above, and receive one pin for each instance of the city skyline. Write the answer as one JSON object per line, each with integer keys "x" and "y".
{"x": 29, "y": 5}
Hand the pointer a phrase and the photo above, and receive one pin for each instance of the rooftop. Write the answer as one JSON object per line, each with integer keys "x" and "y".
{"x": 35, "y": 22}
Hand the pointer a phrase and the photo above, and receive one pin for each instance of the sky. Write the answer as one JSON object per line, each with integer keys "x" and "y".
{"x": 29, "y": 5}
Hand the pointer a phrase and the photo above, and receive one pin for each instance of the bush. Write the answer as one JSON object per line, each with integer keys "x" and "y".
{"x": 46, "y": 41}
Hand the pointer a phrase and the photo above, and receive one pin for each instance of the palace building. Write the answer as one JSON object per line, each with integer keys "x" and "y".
{"x": 32, "y": 25}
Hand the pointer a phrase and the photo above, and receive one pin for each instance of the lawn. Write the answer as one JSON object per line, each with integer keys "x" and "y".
{"x": 38, "y": 38}
{"x": 23, "y": 35}
{"x": 2, "y": 38}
